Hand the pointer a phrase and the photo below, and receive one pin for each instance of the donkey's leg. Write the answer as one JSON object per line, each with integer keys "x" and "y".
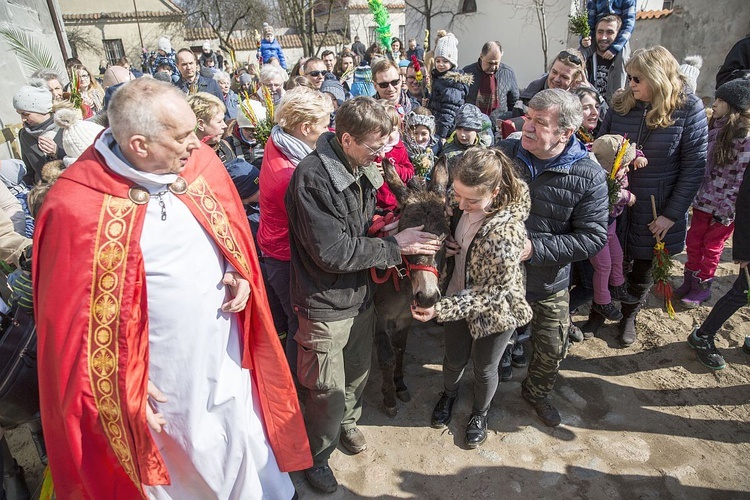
{"x": 398, "y": 340}
{"x": 386, "y": 361}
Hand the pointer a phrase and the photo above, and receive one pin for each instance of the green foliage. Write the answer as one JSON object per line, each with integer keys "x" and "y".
{"x": 32, "y": 53}
{"x": 579, "y": 24}
{"x": 613, "y": 191}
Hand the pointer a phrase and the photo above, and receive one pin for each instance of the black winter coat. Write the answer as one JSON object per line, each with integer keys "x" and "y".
{"x": 329, "y": 213}
{"x": 569, "y": 214}
{"x": 507, "y": 86}
{"x": 676, "y": 166}
{"x": 449, "y": 91}
{"x": 741, "y": 239}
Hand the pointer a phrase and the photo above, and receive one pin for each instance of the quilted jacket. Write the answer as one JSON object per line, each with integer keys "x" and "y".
{"x": 449, "y": 92}
{"x": 676, "y": 166}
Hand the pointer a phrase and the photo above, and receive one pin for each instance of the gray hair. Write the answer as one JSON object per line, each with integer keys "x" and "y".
{"x": 567, "y": 105}
{"x": 269, "y": 71}
{"x": 135, "y": 108}
{"x": 221, "y": 76}
{"x": 46, "y": 74}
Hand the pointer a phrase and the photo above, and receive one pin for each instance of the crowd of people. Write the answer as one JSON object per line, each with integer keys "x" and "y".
{"x": 201, "y": 257}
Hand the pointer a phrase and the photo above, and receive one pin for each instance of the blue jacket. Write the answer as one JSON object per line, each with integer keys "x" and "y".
{"x": 449, "y": 92}
{"x": 569, "y": 214}
{"x": 232, "y": 104}
{"x": 676, "y": 165}
{"x": 597, "y": 9}
{"x": 272, "y": 49}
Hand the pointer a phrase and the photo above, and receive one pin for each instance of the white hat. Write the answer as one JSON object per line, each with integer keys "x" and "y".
{"x": 33, "y": 100}
{"x": 165, "y": 45}
{"x": 78, "y": 134}
{"x": 258, "y": 109}
{"x": 447, "y": 47}
{"x": 206, "y": 46}
{"x": 691, "y": 68}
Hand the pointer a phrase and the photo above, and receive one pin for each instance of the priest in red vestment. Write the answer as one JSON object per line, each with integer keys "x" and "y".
{"x": 161, "y": 374}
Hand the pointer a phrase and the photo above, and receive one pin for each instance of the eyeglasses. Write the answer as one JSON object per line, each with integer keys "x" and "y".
{"x": 570, "y": 57}
{"x": 374, "y": 152}
{"x": 84, "y": 75}
{"x": 317, "y": 72}
{"x": 394, "y": 83}
{"x": 636, "y": 79}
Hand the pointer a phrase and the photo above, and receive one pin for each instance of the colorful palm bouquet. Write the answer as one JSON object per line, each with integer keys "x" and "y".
{"x": 662, "y": 269}
{"x": 579, "y": 24}
{"x": 613, "y": 187}
{"x": 264, "y": 125}
{"x": 75, "y": 95}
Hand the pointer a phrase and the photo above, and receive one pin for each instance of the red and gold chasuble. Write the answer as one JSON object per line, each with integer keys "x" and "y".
{"x": 91, "y": 313}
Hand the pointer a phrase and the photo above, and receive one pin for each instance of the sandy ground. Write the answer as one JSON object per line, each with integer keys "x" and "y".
{"x": 648, "y": 421}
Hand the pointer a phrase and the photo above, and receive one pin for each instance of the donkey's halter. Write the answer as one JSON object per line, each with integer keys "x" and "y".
{"x": 399, "y": 272}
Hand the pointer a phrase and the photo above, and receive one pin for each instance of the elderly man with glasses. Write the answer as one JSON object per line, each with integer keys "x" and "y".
{"x": 494, "y": 89}
{"x": 330, "y": 202}
{"x": 389, "y": 87}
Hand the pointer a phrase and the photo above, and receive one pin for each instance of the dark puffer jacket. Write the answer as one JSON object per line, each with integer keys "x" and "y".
{"x": 569, "y": 214}
{"x": 449, "y": 91}
{"x": 329, "y": 213}
{"x": 676, "y": 165}
{"x": 741, "y": 241}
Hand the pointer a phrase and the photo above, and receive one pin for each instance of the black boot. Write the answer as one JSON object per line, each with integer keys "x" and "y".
{"x": 627, "y": 323}
{"x": 592, "y": 324}
{"x": 443, "y": 412}
{"x": 41, "y": 449}
{"x": 476, "y": 431}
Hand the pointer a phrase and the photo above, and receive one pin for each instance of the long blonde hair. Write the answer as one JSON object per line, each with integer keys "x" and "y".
{"x": 660, "y": 71}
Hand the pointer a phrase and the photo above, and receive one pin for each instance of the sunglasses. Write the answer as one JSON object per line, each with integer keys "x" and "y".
{"x": 317, "y": 72}
{"x": 636, "y": 79}
{"x": 394, "y": 83}
{"x": 570, "y": 57}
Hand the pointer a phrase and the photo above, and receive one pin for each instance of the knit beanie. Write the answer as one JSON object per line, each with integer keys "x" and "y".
{"x": 413, "y": 120}
{"x": 334, "y": 88}
{"x": 691, "y": 68}
{"x": 260, "y": 113}
{"x": 606, "y": 147}
{"x": 245, "y": 177}
{"x": 206, "y": 46}
{"x": 115, "y": 75}
{"x": 447, "y": 47}
{"x": 362, "y": 83}
{"x": 165, "y": 45}
{"x": 469, "y": 117}
{"x": 268, "y": 30}
{"x": 736, "y": 93}
{"x": 246, "y": 78}
{"x": 78, "y": 134}
{"x": 33, "y": 100}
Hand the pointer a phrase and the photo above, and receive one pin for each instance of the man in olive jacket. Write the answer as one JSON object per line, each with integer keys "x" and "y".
{"x": 568, "y": 223}
{"x": 330, "y": 202}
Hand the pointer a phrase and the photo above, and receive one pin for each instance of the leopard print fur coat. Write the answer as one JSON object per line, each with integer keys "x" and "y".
{"x": 494, "y": 300}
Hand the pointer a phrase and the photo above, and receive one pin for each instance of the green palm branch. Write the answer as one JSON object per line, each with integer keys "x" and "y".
{"x": 33, "y": 54}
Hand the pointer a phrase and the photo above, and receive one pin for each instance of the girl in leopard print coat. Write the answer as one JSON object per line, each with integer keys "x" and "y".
{"x": 485, "y": 300}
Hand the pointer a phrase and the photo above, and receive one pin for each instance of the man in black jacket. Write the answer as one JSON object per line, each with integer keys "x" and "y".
{"x": 568, "y": 223}
{"x": 495, "y": 88}
{"x": 330, "y": 202}
{"x": 191, "y": 81}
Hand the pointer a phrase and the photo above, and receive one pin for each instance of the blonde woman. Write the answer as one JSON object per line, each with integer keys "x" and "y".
{"x": 91, "y": 92}
{"x": 666, "y": 121}
{"x": 301, "y": 117}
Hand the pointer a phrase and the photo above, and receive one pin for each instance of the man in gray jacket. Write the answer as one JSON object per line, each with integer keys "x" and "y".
{"x": 568, "y": 223}
{"x": 330, "y": 202}
{"x": 606, "y": 73}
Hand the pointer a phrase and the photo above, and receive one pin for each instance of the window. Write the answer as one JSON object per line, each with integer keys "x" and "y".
{"x": 113, "y": 50}
{"x": 668, "y": 5}
{"x": 468, "y": 6}
{"x": 402, "y": 36}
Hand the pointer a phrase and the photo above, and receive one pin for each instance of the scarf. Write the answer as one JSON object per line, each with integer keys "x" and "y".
{"x": 37, "y": 130}
{"x": 290, "y": 146}
{"x": 487, "y": 93}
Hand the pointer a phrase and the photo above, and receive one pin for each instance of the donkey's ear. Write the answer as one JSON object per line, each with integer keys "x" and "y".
{"x": 439, "y": 180}
{"x": 399, "y": 189}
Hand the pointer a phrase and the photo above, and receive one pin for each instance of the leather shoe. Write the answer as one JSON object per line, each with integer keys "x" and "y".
{"x": 547, "y": 413}
{"x": 476, "y": 431}
{"x": 443, "y": 412}
{"x": 321, "y": 478}
{"x": 353, "y": 440}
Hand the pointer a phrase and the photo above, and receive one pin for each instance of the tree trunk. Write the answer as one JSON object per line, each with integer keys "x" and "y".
{"x": 542, "y": 17}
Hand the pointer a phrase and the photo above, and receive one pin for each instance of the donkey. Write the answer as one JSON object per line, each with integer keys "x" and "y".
{"x": 417, "y": 280}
